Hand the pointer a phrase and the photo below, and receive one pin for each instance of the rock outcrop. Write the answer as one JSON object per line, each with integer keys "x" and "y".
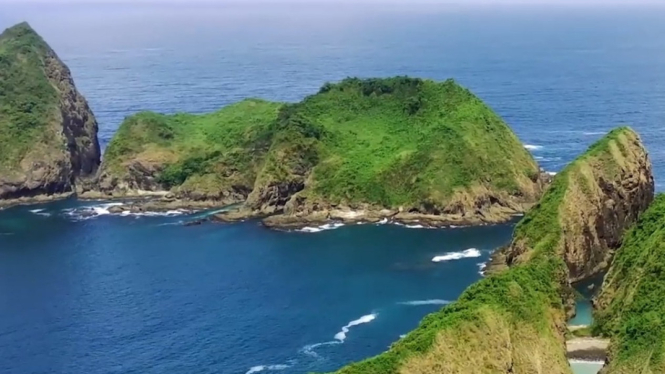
{"x": 419, "y": 149}
{"x": 597, "y": 197}
{"x": 48, "y": 134}
{"x": 514, "y": 321}
{"x": 192, "y": 160}
{"x": 631, "y": 304}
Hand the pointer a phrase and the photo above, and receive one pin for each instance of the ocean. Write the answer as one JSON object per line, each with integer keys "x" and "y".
{"x": 83, "y": 291}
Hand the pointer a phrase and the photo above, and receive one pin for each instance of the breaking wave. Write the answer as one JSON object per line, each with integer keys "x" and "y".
{"x": 532, "y": 147}
{"x": 340, "y": 337}
{"x": 425, "y": 302}
{"x": 94, "y": 211}
{"x": 259, "y": 368}
{"x": 327, "y": 226}
{"x": 469, "y": 253}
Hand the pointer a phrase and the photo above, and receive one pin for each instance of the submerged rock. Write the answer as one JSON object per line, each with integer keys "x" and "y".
{"x": 48, "y": 134}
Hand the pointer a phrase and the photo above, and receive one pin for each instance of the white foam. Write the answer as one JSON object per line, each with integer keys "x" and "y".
{"x": 94, "y": 211}
{"x": 259, "y": 368}
{"x": 532, "y": 147}
{"x": 593, "y": 133}
{"x": 309, "y": 349}
{"x": 469, "y": 253}
{"x": 327, "y": 226}
{"x": 425, "y": 302}
{"x": 552, "y": 173}
{"x": 341, "y": 336}
{"x": 383, "y": 221}
{"x": 40, "y": 212}
{"x": 481, "y": 268}
{"x": 402, "y": 336}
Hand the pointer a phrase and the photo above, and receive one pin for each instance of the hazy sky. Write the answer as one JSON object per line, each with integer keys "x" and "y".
{"x": 457, "y": 2}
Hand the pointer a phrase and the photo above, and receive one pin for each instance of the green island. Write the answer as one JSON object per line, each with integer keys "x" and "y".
{"x": 631, "y": 306}
{"x": 48, "y": 135}
{"x": 514, "y": 321}
{"x": 395, "y": 143}
{"x": 402, "y": 149}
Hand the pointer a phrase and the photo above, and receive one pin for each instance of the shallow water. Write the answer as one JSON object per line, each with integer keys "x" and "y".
{"x": 108, "y": 294}
{"x": 582, "y": 367}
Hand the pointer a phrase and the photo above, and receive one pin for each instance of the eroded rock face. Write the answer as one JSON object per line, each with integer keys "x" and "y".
{"x": 64, "y": 151}
{"x": 601, "y": 195}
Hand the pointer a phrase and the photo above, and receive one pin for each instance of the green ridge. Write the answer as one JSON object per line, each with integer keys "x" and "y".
{"x": 28, "y": 102}
{"x": 635, "y": 316}
{"x": 526, "y": 299}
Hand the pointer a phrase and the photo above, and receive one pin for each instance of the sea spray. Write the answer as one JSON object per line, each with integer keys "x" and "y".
{"x": 425, "y": 302}
{"x": 469, "y": 253}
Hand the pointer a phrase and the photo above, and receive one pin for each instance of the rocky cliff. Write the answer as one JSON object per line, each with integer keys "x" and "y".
{"x": 514, "y": 321}
{"x": 596, "y": 198}
{"x": 48, "y": 134}
{"x": 631, "y": 305}
{"x": 399, "y": 148}
{"x": 189, "y": 159}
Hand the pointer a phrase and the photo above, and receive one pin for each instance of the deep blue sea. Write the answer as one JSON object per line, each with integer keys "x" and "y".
{"x": 93, "y": 294}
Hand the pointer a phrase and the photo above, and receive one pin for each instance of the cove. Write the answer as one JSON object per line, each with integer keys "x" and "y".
{"x": 107, "y": 293}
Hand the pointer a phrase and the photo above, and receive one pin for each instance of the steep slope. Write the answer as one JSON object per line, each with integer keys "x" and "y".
{"x": 514, "y": 321}
{"x": 407, "y": 145}
{"x": 594, "y": 200}
{"x": 48, "y": 134}
{"x": 631, "y": 306}
{"x": 212, "y": 157}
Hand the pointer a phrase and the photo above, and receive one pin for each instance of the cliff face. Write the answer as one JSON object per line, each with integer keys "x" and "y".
{"x": 599, "y": 196}
{"x": 631, "y": 304}
{"x": 514, "y": 321}
{"x": 404, "y": 146}
{"x": 48, "y": 134}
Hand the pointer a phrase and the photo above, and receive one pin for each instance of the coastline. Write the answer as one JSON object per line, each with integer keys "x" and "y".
{"x": 587, "y": 349}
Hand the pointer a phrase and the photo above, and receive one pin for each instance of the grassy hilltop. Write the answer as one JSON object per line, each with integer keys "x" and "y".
{"x": 514, "y": 321}
{"x": 396, "y": 142}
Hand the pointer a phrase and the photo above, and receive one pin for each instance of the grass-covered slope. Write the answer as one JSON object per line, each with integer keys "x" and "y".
{"x": 588, "y": 207}
{"x": 631, "y": 306}
{"x": 419, "y": 145}
{"x": 210, "y": 156}
{"x": 513, "y": 321}
{"x": 48, "y": 135}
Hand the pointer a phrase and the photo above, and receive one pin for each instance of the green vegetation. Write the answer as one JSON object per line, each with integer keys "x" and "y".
{"x": 632, "y": 300}
{"x": 200, "y": 148}
{"x": 389, "y": 142}
{"x": 28, "y": 102}
{"x": 404, "y": 141}
{"x": 512, "y": 320}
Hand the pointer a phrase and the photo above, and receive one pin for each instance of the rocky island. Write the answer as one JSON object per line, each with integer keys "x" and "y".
{"x": 514, "y": 321}
{"x": 48, "y": 134}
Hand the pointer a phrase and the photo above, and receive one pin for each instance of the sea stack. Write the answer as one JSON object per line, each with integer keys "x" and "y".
{"x": 48, "y": 134}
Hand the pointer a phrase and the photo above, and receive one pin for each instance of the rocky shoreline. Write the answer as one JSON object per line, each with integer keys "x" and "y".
{"x": 587, "y": 349}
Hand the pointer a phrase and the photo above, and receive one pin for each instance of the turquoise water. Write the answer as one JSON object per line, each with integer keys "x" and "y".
{"x": 82, "y": 291}
{"x": 580, "y": 367}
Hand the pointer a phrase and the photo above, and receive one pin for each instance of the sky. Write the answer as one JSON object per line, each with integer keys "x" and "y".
{"x": 457, "y": 2}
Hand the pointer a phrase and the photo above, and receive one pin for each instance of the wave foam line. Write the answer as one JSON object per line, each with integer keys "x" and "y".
{"x": 327, "y": 226}
{"x": 469, "y": 253}
{"x": 532, "y": 147}
{"x": 309, "y": 349}
{"x": 341, "y": 336}
{"x": 259, "y": 368}
{"x": 425, "y": 302}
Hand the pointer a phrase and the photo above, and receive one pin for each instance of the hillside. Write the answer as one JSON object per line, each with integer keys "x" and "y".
{"x": 514, "y": 321}
{"x": 401, "y": 145}
{"x": 212, "y": 157}
{"x": 588, "y": 207}
{"x": 48, "y": 134}
{"x": 631, "y": 305}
